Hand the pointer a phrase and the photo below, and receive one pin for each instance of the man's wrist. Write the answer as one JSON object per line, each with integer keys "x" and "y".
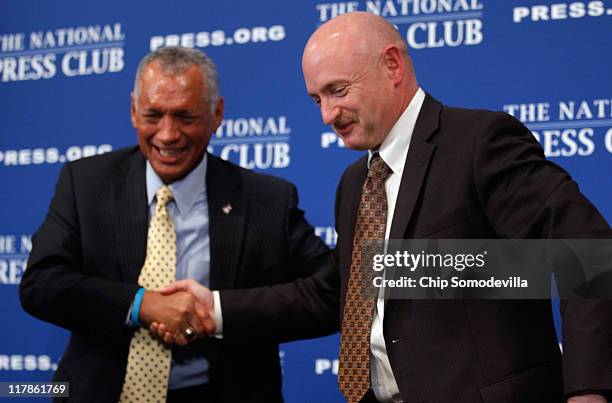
{"x": 134, "y": 318}
{"x": 218, "y": 316}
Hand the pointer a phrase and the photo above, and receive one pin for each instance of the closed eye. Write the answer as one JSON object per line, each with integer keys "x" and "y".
{"x": 151, "y": 117}
{"x": 340, "y": 91}
{"x": 187, "y": 118}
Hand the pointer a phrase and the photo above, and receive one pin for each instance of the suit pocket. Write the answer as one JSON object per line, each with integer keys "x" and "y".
{"x": 443, "y": 222}
{"x": 541, "y": 383}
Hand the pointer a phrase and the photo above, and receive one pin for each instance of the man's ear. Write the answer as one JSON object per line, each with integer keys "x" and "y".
{"x": 133, "y": 109}
{"x": 218, "y": 114}
{"x": 393, "y": 63}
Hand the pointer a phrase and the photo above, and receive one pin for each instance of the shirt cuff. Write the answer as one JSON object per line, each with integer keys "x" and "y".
{"x": 218, "y": 315}
{"x": 128, "y": 319}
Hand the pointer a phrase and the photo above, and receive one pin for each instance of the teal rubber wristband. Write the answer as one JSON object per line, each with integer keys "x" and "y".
{"x": 136, "y": 307}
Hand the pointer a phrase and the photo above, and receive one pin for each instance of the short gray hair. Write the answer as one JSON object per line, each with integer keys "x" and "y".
{"x": 174, "y": 60}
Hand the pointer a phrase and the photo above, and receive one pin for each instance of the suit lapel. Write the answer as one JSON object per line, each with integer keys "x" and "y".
{"x": 129, "y": 195}
{"x": 226, "y": 213}
{"x": 413, "y": 177}
{"x": 415, "y": 168}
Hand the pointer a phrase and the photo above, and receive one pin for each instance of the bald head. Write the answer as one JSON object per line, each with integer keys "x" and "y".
{"x": 356, "y": 67}
{"x": 359, "y": 33}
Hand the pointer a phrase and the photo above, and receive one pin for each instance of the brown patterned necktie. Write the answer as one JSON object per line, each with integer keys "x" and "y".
{"x": 354, "y": 369}
{"x": 148, "y": 365}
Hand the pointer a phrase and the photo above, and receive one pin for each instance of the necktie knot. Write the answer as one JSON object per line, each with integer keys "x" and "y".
{"x": 164, "y": 196}
{"x": 378, "y": 168}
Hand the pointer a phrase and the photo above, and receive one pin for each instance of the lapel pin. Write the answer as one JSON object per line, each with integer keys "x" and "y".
{"x": 227, "y": 208}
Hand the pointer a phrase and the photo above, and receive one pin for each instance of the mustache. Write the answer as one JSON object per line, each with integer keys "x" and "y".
{"x": 342, "y": 122}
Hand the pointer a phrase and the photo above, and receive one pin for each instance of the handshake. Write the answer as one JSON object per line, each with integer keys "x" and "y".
{"x": 180, "y": 313}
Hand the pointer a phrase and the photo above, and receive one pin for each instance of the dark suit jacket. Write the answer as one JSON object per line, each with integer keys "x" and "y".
{"x": 469, "y": 174}
{"x": 86, "y": 257}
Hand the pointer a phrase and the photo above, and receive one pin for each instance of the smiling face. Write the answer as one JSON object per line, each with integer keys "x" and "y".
{"x": 351, "y": 92}
{"x": 356, "y": 68}
{"x": 173, "y": 119}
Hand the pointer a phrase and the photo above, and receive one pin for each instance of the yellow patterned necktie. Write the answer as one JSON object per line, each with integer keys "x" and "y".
{"x": 148, "y": 365}
{"x": 354, "y": 366}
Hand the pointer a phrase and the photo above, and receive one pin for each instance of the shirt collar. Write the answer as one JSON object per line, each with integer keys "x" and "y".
{"x": 394, "y": 148}
{"x": 186, "y": 191}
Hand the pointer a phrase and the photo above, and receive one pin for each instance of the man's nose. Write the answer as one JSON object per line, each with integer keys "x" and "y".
{"x": 168, "y": 129}
{"x": 329, "y": 112}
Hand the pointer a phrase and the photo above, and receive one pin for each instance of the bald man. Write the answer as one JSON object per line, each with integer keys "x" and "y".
{"x": 447, "y": 173}
{"x": 454, "y": 173}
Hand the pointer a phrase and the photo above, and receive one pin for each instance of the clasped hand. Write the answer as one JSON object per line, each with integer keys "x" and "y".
{"x": 182, "y": 308}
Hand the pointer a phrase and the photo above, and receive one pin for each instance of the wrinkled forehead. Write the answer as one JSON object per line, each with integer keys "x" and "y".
{"x": 331, "y": 60}
{"x": 171, "y": 91}
{"x": 340, "y": 44}
{"x": 155, "y": 73}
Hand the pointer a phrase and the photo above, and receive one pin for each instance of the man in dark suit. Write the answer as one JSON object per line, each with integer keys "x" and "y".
{"x": 233, "y": 228}
{"x": 448, "y": 173}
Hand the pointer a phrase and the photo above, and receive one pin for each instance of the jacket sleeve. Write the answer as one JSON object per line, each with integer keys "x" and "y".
{"x": 526, "y": 196}
{"x": 57, "y": 286}
{"x": 303, "y": 308}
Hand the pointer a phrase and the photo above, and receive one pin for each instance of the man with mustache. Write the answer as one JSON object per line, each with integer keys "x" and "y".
{"x": 435, "y": 172}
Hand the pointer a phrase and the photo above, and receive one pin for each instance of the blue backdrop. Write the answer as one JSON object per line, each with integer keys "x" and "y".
{"x": 66, "y": 71}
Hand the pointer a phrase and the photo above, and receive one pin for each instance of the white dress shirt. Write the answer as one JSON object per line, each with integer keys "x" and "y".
{"x": 393, "y": 151}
